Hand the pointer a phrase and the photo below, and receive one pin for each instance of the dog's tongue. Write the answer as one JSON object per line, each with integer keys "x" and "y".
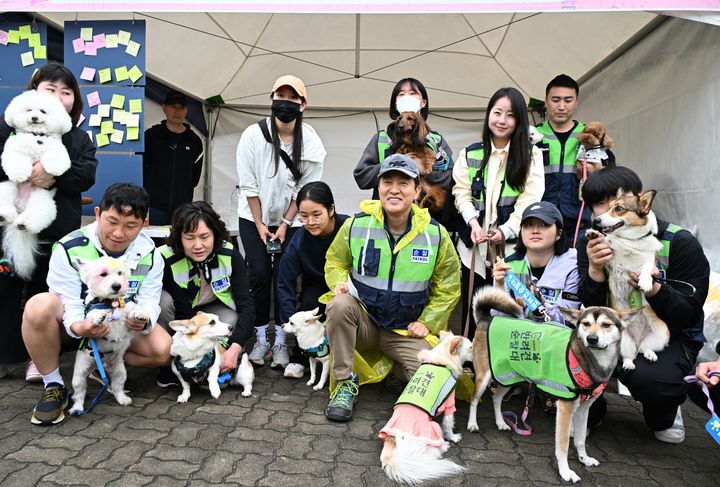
{"x": 612, "y": 228}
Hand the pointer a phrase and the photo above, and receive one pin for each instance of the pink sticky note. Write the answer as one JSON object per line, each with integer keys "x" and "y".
{"x": 3, "y": 37}
{"x": 99, "y": 41}
{"x": 90, "y": 49}
{"x": 93, "y": 99}
{"x": 78, "y": 45}
{"x": 88, "y": 74}
{"x": 81, "y": 119}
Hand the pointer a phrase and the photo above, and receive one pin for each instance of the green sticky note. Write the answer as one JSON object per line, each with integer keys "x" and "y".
{"x": 34, "y": 40}
{"x": 117, "y": 136}
{"x": 133, "y": 133}
{"x": 101, "y": 140}
{"x": 117, "y": 101}
{"x": 25, "y": 32}
{"x": 135, "y": 105}
{"x": 111, "y": 41}
{"x": 104, "y": 75}
{"x": 13, "y": 37}
{"x": 121, "y": 73}
{"x": 27, "y": 58}
{"x": 134, "y": 74}
{"x": 86, "y": 33}
{"x": 123, "y": 37}
{"x": 40, "y": 52}
{"x": 106, "y": 127}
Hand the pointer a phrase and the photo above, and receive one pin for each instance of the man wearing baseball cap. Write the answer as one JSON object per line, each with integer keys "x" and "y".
{"x": 172, "y": 162}
{"x": 394, "y": 278}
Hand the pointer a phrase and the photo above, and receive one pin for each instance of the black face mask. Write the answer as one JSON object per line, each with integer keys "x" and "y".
{"x": 285, "y": 110}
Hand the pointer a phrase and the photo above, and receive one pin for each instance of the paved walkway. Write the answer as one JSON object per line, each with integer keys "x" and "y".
{"x": 279, "y": 437}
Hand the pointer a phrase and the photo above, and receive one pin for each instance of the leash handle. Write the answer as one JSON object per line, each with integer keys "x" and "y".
{"x": 471, "y": 284}
{"x": 511, "y": 418}
{"x": 693, "y": 378}
{"x": 534, "y": 304}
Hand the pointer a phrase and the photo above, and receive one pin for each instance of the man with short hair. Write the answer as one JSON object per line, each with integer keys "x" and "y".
{"x": 172, "y": 162}
{"x": 394, "y": 278}
{"x": 55, "y": 320}
{"x": 559, "y": 147}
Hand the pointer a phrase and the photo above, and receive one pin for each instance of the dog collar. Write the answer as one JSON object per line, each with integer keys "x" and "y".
{"x": 113, "y": 304}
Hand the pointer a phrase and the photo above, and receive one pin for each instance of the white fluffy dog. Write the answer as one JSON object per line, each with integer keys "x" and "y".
{"x": 107, "y": 281}
{"x": 39, "y": 120}
{"x": 312, "y": 337}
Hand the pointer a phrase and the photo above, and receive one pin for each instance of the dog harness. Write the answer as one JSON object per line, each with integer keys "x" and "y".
{"x": 199, "y": 373}
{"x": 321, "y": 350}
{"x": 428, "y": 388}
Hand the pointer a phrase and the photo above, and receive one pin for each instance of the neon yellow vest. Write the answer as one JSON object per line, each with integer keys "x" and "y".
{"x": 428, "y": 388}
{"x": 561, "y": 159}
{"x": 508, "y": 196}
{"x": 432, "y": 140}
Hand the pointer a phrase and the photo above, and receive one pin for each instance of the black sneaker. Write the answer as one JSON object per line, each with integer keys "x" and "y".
{"x": 166, "y": 377}
{"x": 340, "y": 407}
{"x": 50, "y": 409}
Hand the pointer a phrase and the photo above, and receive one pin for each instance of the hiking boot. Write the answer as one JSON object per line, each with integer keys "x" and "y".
{"x": 260, "y": 353}
{"x": 166, "y": 377}
{"x": 50, "y": 409}
{"x": 280, "y": 357}
{"x": 294, "y": 371}
{"x": 340, "y": 407}
{"x": 675, "y": 433}
{"x": 31, "y": 373}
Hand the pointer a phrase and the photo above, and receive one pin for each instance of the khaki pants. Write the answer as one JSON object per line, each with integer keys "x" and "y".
{"x": 350, "y": 328}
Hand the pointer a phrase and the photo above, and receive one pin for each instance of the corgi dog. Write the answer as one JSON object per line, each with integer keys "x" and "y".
{"x": 629, "y": 228}
{"x": 591, "y": 352}
{"x": 312, "y": 338}
{"x": 199, "y": 355}
{"x": 413, "y": 443}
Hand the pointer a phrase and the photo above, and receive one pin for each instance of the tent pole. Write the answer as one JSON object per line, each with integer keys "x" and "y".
{"x": 207, "y": 189}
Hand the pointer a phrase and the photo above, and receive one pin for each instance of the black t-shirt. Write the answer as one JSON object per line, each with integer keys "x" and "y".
{"x": 564, "y": 136}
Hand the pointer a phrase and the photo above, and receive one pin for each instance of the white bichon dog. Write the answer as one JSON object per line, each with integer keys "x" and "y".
{"x": 39, "y": 120}
{"x": 106, "y": 279}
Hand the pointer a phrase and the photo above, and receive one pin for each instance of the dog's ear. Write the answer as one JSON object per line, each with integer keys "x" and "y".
{"x": 628, "y": 316}
{"x": 620, "y": 193}
{"x": 445, "y": 334}
{"x": 183, "y": 326}
{"x": 455, "y": 344}
{"x": 315, "y": 315}
{"x": 570, "y": 314}
{"x": 645, "y": 201}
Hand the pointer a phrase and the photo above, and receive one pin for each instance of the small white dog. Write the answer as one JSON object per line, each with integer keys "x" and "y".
{"x": 311, "y": 336}
{"x": 39, "y": 120}
{"x": 107, "y": 281}
{"x": 413, "y": 442}
{"x": 199, "y": 355}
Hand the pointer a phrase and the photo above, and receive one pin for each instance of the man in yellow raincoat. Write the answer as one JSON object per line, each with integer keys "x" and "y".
{"x": 394, "y": 278}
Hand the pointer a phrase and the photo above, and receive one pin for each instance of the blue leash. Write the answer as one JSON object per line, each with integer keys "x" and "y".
{"x": 103, "y": 376}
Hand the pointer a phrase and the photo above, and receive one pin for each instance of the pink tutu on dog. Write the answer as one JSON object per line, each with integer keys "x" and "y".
{"x": 413, "y": 421}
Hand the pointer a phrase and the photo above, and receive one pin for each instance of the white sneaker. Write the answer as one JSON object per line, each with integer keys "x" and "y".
{"x": 260, "y": 353}
{"x": 294, "y": 371}
{"x": 675, "y": 433}
{"x": 280, "y": 357}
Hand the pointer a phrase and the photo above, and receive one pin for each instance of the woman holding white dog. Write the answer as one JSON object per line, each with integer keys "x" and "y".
{"x": 495, "y": 180}
{"x": 305, "y": 259}
{"x": 204, "y": 272}
{"x": 57, "y": 80}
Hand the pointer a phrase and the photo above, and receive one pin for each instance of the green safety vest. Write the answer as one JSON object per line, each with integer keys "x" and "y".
{"x": 220, "y": 273}
{"x": 77, "y": 244}
{"x": 393, "y": 284}
{"x": 428, "y": 388}
{"x": 525, "y": 351}
{"x": 561, "y": 158}
{"x": 432, "y": 140}
{"x": 478, "y": 184}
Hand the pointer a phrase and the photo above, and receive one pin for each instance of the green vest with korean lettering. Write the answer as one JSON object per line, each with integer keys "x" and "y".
{"x": 428, "y": 388}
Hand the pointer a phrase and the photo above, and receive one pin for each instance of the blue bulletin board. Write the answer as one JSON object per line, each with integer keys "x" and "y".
{"x": 113, "y": 168}
{"x": 23, "y": 48}
{"x": 116, "y": 113}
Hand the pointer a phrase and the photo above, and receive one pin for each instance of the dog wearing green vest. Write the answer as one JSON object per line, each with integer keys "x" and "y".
{"x": 572, "y": 364}
{"x": 413, "y": 442}
{"x": 107, "y": 281}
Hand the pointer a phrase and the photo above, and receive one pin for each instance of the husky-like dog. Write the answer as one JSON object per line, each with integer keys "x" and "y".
{"x": 592, "y": 352}
{"x": 106, "y": 279}
{"x": 629, "y": 228}
{"x": 312, "y": 338}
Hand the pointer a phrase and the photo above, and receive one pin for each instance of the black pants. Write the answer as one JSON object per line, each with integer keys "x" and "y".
{"x": 160, "y": 217}
{"x": 465, "y": 298}
{"x": 263, "y": 269}
{"x": 310, "y": 292}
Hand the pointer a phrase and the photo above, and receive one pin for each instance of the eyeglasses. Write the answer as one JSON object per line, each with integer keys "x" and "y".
{"x": 310, "y": 219}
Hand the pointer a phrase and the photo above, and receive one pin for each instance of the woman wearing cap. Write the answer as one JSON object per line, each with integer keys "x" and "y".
{"x": 495, "y": 180}
{"x": 408, "y": 95}
{"x": 275, "y": 158}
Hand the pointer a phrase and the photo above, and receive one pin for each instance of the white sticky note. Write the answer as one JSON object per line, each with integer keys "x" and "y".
{"x": 132, "y": 120}
{"x": 111, "y": 41}
{"x": 95, "y": 120}
{"x": 117, "y": 136}
{"x": 27, "y": 58}
{"x": 133, "y": 48}
{"x": 123, "y": 37}
{"x": 104, "y": 110}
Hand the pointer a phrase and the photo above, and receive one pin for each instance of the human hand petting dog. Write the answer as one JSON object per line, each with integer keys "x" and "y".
{"x": 417, "y": 330}
{"x": 635, "y": 276}
{"x": 230, "y": 358}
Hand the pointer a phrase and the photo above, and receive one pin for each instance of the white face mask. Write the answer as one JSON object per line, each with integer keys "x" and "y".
{"x": 408, "y": 103}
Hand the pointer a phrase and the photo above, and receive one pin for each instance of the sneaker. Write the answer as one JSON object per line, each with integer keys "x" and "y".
{"x": 260, "y": 353}
{"x": 294, "y": 371}
{"x": 50, "y": 409}
{"x": 166, "y": 377}
{"x": 31, "y": 373}
{"x": 342, "y": 400}
{"x": 280, "y": 357}
{"x": 675, "y": 433}
{"x": 3, "y": 371}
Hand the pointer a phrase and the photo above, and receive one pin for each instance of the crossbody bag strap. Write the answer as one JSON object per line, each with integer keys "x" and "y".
{"x": 283, "y": 155}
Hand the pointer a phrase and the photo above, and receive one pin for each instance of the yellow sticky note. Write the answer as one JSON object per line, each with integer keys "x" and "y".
{"x": 123, "y": 37}
{"x": 25, "y": 32}
{"x": 86, "y": 33}
{"x": 134, "y": 74}
{"x": 117, "y": 101}
{"x": 106, "y": 127}
{"x": 104, "y": 75}
{"x": 27, "y": 58}
{"x": 121, "y": 73}
{"x": 132, "y": 120}
{"x": 135, "y": 105}
{"x": 13, "y": 37}
{"x": 117, "y": 136}
{"x": 104, "y": 110}
{"x": 111, "y": 41}
{"x": 133, "y": 48}
{"x": 95, "y": 120}
{"x": 133, "y": 133}
{"x": 34, "y": 40}
{"x": 40, "y": 52}
{"x": 101, "y": 140}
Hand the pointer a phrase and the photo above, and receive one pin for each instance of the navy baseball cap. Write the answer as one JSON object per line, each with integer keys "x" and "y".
{"x": 175, "y": 98}
{"x": 401, "y": 163}
{"x": 545, "y": 211}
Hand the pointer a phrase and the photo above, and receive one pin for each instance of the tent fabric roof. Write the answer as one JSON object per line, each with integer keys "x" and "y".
{"x": 353, "y": 60}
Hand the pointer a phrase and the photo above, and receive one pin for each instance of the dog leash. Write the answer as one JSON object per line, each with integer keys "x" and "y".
{"x": 713, "y": 425}
{"x": 470, "y": 292}
{"x": 103, "y": 376}
{"x": 693, "y": 290}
